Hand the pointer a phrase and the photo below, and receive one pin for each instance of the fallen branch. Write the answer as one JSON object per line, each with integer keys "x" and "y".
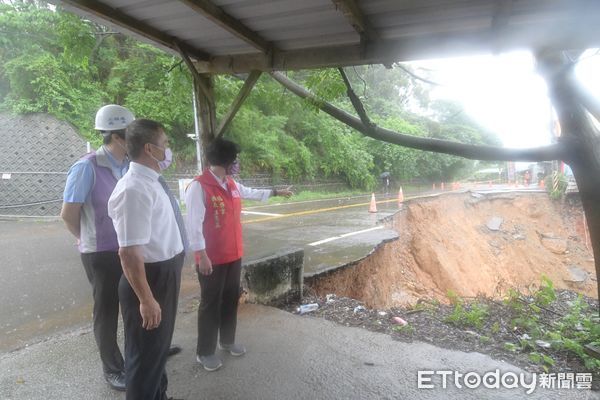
{"x": 473, "y": 152}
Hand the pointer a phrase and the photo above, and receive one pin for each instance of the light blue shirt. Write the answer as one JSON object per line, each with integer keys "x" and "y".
{"x": 80, "y": 178}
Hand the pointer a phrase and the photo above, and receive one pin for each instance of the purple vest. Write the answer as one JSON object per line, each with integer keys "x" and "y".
{"x": 97, "y": 230}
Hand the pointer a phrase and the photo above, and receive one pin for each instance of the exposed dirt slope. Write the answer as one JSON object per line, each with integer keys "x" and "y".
{"x": 445, "y": 244}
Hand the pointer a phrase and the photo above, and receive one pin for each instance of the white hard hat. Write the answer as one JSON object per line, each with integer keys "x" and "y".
{"x": 113, "y": 117}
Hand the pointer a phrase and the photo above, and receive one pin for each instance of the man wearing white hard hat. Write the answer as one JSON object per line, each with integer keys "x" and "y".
{"x": 90, "y": 182}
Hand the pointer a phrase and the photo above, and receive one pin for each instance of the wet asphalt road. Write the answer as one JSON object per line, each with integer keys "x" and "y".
{"x": 44, "y": 289}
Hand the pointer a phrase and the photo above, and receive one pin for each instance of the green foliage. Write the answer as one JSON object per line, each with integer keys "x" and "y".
{"x": 577, "y": 328}
{"x": 545, "y": 294}
{"x": 495, "y": 328}
{"x": 570, "y": 333}
{"x": 561, "y": 187}
{"x": 305, "y": 195}
{"x": 485, "y": 339}
{"x": 542, "y": 359}
{"x": 408, "y": 329}
{"x": 326, "y": 84}
{"x": 469, "y": 315}
{"x": 58, "y": 63}
{"x": 429, "y": 306}
{"x": 540, "y": 333}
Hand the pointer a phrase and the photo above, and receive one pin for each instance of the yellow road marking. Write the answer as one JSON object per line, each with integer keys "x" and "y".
{"x": 319, "y": 210}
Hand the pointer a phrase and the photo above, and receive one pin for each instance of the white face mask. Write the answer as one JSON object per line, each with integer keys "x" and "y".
{"x": 165, "y": 162}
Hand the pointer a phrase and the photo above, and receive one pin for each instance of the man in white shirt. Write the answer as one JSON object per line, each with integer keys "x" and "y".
{"x": 152, "y": 239}
{"x": 213, "y": 202}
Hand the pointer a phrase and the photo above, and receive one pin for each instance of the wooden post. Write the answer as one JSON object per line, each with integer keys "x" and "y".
{"x": 207, "y": 108}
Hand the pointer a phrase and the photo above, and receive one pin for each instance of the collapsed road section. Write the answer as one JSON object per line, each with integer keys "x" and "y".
{"x": 471, "y": 244}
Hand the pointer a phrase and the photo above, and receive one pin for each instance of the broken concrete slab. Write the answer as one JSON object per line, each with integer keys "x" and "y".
{"x": 274, "y": 279}
{"x": 578, "y": 275}
{"x": 494, "y": 223}
{"x": 555, "y": 245}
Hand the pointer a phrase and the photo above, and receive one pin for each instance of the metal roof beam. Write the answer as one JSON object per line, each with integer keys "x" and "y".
{"x": 356, "y": 18}
{"x": 216, "y": 14}
{"x": 584, "y": 35}
{"x": 502, "y": 13}
{"x": 115, "y": 17}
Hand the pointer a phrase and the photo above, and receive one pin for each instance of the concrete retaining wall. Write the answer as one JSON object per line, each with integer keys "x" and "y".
{"x": 274, "y": 279}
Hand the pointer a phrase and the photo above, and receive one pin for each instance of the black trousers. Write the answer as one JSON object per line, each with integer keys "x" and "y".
{"x": 104, "y": 271}
{"x": 146, "y": 350}
{"x": 217, "y": 313}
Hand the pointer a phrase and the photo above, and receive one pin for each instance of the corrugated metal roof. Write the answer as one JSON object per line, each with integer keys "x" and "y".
{"x": 238, "y": 35}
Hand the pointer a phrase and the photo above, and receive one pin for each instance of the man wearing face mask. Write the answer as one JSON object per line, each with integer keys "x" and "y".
{"x": 152, "y": 242}
{"x": 213, "y": 202}
{"x": 90, "y": 181}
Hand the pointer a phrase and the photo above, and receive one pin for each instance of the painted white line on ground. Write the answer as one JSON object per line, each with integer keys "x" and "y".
{"x": 331, "y": 239}
{"x": 260, "y": 213}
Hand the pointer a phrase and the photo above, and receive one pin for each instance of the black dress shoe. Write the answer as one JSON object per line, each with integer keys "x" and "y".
{"x": 173, "y": 350}
{"x": 116, "y": 381}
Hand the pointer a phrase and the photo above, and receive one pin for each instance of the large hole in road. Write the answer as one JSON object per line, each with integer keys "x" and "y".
{"x": 471, "y": 244}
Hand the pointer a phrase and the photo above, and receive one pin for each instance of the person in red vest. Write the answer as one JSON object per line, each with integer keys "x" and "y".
{"x": 213, "y": 202}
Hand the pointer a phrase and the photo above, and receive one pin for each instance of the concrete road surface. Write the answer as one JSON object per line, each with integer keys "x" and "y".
{"x": 289, "y": 357}
{"x": 44, "y": 289}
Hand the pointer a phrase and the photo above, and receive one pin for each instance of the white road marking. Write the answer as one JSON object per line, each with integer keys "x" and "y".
{"x": 331, "y": 239}
{"x": 260, "y": 213}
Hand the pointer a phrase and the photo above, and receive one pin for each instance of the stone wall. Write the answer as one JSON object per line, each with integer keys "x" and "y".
{"x": 36, "y": 151}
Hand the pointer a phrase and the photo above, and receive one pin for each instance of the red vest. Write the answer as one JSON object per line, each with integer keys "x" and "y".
{"x": 222, "y": 225}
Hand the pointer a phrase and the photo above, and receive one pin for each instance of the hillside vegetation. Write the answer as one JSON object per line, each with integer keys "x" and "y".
{"x": 55, "y": 62}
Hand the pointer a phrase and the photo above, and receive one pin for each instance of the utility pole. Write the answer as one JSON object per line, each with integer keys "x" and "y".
{"x": 197, "y": 135}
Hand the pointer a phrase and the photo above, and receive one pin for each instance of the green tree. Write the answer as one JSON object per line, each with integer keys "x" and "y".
{"x": 54, "y": 62}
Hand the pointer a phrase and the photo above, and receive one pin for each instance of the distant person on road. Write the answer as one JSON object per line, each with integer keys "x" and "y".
{"x": 385, "y": 182}
{"x": 213, "y": 202}
{"x": 90, "y": 181}
{"x": 152, "y": 242}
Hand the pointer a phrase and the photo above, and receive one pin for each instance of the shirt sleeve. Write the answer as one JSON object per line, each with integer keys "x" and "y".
{"x": 131, "y": 212}
{"x": 253, "y": 194}
{"x": 194, "y": 220}
{"x": 80, "y": 180}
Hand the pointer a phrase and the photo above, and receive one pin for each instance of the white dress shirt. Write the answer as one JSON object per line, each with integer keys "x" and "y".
{"x": 143, "y": 216}
{"x": 194, "y": 202}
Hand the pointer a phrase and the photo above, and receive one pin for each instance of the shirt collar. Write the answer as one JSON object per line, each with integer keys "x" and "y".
{"x": 221, "y": 181}
{"x": 113, "y": 160}
{"x": 143, "y": 170}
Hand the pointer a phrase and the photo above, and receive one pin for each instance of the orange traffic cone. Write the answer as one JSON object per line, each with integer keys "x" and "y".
{"x": 400, "y": 197}
{"x": 373, "y": 205}
{"x": 542, "y": 184}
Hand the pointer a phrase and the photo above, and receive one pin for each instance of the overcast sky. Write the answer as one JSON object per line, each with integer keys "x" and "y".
{"x": 504, "y": 93}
